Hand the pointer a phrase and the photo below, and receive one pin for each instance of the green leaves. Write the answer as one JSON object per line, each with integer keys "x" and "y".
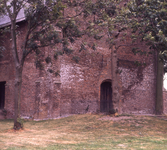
{"x": 48, "y": 60}
{"x": 2, "y": 48}
{"x": 2, "y": 8}
{"x": 57, "y": 53}
{"x": 76, "y": 59}
{"x": 148, "y": 19}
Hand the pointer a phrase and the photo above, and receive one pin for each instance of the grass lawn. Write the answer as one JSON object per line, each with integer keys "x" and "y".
{"x": 87, "y": 132}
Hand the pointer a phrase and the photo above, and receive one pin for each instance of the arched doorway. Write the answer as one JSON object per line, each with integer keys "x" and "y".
{"x": 106, "y": 96}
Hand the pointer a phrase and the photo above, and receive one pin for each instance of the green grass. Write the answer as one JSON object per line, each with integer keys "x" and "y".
{"x": 87, "y": 132}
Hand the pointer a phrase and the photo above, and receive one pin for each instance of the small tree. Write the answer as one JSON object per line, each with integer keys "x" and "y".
{"x": 43, "y": 22}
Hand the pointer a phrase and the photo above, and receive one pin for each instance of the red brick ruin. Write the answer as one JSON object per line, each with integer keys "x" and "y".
{"x": 83, "y": 87}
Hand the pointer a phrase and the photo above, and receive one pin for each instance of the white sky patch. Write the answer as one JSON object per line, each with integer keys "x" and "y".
{"x": 165, "y": 81}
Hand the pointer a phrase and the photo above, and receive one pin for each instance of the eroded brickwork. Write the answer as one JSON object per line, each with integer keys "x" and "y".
{"x": 77, "y": 89}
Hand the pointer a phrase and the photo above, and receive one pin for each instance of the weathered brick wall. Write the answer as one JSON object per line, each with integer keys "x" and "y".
{"x": 77, "y": 89}
{"x": 80, "y": 82}
{"x": 137, "y": 81}
{"x": 7, "y": 75}
{"x": 139, "y": 92}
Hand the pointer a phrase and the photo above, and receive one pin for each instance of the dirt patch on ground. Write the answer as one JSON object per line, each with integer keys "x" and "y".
{"x": 121, "y": 118}
{"x": 115, "y": 118}
{"x": 162, "y": 117}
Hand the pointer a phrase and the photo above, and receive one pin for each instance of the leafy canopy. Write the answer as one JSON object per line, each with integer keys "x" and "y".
{"x": 147, "y": 19}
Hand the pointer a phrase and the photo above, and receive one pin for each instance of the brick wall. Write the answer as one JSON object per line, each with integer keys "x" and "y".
{"x": 77, "y": 89}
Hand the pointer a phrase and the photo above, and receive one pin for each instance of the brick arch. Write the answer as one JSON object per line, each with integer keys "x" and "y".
{"x": 106, "y": 80}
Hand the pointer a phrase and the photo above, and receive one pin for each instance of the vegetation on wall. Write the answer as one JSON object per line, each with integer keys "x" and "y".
{"x": 147, "y": 20}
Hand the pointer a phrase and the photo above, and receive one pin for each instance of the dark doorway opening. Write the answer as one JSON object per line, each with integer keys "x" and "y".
{"x": 2, "y": 94}
{"x": 106, "y": 103}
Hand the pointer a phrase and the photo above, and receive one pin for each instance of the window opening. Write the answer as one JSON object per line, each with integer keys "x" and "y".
{"x": 2, "y": 94}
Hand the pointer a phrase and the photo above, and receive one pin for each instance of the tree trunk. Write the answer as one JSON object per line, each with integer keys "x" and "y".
{"x": 159, "y": 87}
{"x": 115, "y": 90}
{"x": 17, "y": 96}
{"x": 18, "y": 76}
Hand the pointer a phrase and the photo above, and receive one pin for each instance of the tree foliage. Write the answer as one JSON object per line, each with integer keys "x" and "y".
{"x": 61, "y": 22}
{"x": 147, "y": 20}
{"x": 58, "y": 22}
{"x": 55, "y": 22}
{"x": 46, "y": 25}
